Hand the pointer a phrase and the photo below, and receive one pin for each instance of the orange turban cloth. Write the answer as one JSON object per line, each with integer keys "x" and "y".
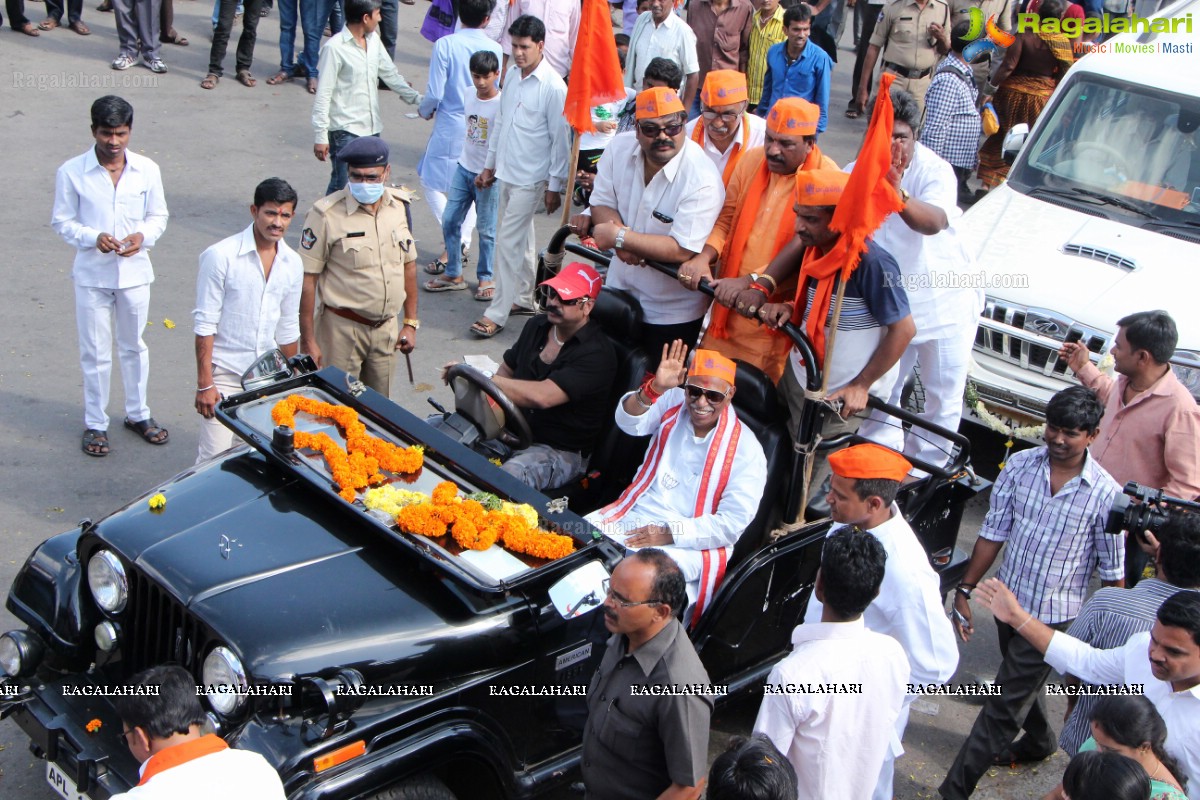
{"x": 793, "y": 116}
{"x": 714, "y": 365}
{"x": 820, "y": 187}
{"x": 867, "y": 461}
{"x": 658, "y": 102}
{"x": 724, "y": 87}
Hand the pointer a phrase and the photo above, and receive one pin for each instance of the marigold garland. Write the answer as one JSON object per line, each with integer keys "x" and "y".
{"x": 361, "y": 463}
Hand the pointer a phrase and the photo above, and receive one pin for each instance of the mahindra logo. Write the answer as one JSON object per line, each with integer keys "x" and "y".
{"x": 1047, "y": 327}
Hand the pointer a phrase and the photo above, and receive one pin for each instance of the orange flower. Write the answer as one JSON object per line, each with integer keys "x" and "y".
{"x": 421, "y": 519}
{"x": 445, "y": 493}
{"x": 93, "y": 726}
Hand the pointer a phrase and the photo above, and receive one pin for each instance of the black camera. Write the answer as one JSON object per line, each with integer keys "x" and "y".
{"x": 1142, "y": 509}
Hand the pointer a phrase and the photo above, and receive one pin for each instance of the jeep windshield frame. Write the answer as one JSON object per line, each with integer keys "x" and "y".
{"x": 1130, "y": 152}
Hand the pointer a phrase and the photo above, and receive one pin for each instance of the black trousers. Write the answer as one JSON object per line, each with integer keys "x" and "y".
{"x": 870, "y": 17}
{"x": 16, "y": 14}
{"x": 655, "y": 336}
{"x": 245, "y": 46}
{"x": 54, "y": 10}
{"x": 1022, "y": 675}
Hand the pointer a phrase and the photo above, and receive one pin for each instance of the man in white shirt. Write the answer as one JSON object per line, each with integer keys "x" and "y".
{"x": 163, "y": 732}
{"x": 527, "y": 157}
{"x": 831, "y": 705}
{"x": 109, "y": 205}
{"x": 656, "y": 198}
{"x": 922, "y": 239}
{"x": 561, "y": 18}
{"x": 352, "y": 64}
{"x": 699, "y": 443}
{"x": 724, "y": 129}
{"x": 660, "y": 32}
{"x": 866, "y": 478}
{"x": 247, "y": 303}
{"x": 1164, "y": 662}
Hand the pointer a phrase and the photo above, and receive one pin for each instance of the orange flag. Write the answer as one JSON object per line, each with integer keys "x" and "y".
{"x": 865, "y": 202}
{"x": 596, "y": 76}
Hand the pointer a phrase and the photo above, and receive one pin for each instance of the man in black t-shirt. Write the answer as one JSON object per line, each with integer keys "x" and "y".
{"x": 559, "y": 374}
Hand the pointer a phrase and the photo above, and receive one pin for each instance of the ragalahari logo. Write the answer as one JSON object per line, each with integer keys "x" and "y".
{"x": 994, "y": 38}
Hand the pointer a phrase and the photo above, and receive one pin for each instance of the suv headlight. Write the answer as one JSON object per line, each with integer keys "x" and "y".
{"x": 1186, "y": 365}
{"x": 106, "y": 579}
{"x": 20, "y": 654}
{"x": 224, "y": 681}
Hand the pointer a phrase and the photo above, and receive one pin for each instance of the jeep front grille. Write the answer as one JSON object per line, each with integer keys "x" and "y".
{"x": 1030, "y": 337}
{"x": 160, "y": 629}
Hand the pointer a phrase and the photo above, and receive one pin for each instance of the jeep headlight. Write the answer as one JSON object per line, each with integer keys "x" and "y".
{"x": 106, "y": 579}
{"x": 224, "y": 681}
{"x": 1186, "y": 365}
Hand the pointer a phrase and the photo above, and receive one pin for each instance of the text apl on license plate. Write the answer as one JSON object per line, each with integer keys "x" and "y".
{"x": 61, "y": 784}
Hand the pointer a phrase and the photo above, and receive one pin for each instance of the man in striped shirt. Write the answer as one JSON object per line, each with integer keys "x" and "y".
{"x": 1111, "y": 616}
{"x": 766, "y": 30}
{"x": 1049, "y": 505}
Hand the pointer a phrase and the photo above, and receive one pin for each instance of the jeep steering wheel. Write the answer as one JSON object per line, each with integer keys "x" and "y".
{"x": 1118, "y": 159}
{"x": 515, "y": 424}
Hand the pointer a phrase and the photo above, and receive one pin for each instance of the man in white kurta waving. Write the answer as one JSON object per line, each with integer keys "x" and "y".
{"x": 702, "y": 479}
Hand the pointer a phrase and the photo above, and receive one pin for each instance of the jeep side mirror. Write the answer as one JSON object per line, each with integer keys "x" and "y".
{"x": 1014, "y": 140}
{"x": 269, "y": 368}
{"x": 581, "y": 591}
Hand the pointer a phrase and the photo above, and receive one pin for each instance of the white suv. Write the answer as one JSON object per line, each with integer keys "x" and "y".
{"x": 1099, "y": 218}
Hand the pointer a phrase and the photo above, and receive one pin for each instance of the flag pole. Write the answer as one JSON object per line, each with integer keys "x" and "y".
{"x": 572, "y": 168}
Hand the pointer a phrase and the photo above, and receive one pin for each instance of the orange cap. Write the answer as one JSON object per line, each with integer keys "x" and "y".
{"x": 658, "y": 102}
{"x": 869, "y": 461}
{"x": 712, "y": 364}
{"x": 724, "y": 87}
{"x": 794, "y": 116}
{"x": 820, "y": 187}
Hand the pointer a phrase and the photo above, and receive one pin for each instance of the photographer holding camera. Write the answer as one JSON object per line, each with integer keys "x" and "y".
{"x": 1151, "y": 428}
{"x": 1110, "y": 616}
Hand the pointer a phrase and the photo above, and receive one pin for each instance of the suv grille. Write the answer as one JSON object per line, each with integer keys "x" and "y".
{"x": 1103, "y": 256}
{"x": 1021, "y": 335}
{"x": 160, "y": 629}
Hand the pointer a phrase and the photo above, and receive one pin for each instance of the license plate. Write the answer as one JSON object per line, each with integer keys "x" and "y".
{"x": 61, "y": 784}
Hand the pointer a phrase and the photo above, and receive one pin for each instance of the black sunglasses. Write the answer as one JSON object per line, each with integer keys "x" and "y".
{"x": 652, "y": 131}
{"x": 712, "y": 395}
{"x": 546, "y": 294}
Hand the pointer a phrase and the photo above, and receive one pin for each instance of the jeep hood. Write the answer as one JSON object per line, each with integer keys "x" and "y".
{"x": 294, "y": 583}
{"x": 1088, "y": 268}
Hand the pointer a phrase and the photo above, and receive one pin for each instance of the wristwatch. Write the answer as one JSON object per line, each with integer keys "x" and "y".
{"x": 619, "y": 242}
{"x": 965, "y": 589}
{"x": 415, "y": 324}
{"x": 905, "y": 196}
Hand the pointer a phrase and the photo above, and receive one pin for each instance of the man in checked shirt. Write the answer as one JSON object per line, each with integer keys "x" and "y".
{"x": 1049, "y": 504}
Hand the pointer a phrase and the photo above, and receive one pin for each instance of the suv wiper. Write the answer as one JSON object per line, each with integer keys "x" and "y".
{"x": 1113, "y": 201}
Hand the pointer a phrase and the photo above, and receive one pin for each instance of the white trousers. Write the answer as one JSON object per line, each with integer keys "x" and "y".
{"x": 887, "y": 773}
{"x": 95, "y": 313}
{"x": 944, "y": 353}
{"x": 437, "y": 205}
{"x": 215, "y": 437}
{"x": 516, "y": 254}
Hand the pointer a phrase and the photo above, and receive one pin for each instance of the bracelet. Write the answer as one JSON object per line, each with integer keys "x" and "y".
{"x": 637, "y": 396}
{"x": 206, "y": 388}
{"x": 647, "y": 389}
{"x": 1023, "y": 624}
{"x": 760, "y": 288}
{"x": 766, "y": 277}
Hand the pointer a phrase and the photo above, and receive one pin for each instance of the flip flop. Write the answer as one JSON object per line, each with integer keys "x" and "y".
{"x": 210, "y": 81}
{"x": 29, "y": 29}
{"x": 484, "y": 294}
{"x": 48, "y": 24}
{"x": 80, "y": 28}
{"x": 521, "y": 311}
{"x": 245, "y": 78}
{"x": 853, "y": 111}
{"x": 435, "y": 267}
{"x": 312, "y": 85}
{"x": 149, "y": 430}
{"x": 278, "y": 78}
{"x": 485, "y": 328}
{"x": 97, "y": 439}
{"x": 175, "y": 39}
{"x": 445, "y": 285}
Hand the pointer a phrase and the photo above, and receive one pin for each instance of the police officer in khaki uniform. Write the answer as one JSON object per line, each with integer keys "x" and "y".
{"x": 357, "y": 249}
{"x": 1002, "y": 10}
{"x": 913, "y": 35}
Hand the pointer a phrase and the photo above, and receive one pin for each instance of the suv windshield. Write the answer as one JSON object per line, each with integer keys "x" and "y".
{"x": 1131, "y": 148}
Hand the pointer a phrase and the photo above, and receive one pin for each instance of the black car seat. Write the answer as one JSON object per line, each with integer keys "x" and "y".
{"x": 757, "y": 406}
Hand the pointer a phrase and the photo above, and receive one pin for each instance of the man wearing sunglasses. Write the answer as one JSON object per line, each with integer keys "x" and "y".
{"x": 656, "y": 197}
{"x": 724, "y": 129}
{"x": 702, "y": 479}
{"x": 559, "y": 373}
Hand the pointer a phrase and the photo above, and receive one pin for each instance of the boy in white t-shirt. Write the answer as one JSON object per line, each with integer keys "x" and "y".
{"x": 480, "y": 112}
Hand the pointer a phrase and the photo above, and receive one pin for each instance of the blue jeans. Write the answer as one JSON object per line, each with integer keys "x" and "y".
{"x": 323, "y": 12}
{"x": 291, "y": 12}
{"x": 337, "y": 168}
{"x": 458, "y": 200}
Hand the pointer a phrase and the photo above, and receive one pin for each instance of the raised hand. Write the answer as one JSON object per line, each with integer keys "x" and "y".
{"x": 672, "y": 370}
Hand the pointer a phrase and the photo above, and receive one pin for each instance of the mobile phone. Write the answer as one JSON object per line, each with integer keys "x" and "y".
{"x": 663, "y": 218}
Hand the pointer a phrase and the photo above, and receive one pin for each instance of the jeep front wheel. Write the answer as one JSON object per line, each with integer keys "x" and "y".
{"x": 422, "y": 787}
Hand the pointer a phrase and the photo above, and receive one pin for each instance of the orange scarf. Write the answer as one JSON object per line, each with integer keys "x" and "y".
{"x": 866, "y": 201}
{"x": 739, "y": 148}
{"x": 178, "y": 754}
{"x": 743, "y": 226}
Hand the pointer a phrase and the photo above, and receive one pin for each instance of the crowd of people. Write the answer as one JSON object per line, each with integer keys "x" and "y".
{"x": 711, "y": 161}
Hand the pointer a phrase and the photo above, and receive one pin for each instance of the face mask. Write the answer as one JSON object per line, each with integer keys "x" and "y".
{"x": 366, "y": 193}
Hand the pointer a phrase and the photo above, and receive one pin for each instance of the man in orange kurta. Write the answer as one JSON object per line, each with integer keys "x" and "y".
{"x": 755, "y": 222}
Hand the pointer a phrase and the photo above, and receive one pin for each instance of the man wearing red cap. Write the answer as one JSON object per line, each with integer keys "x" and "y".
{"x": 866, "y": 478}
{"x": 702, "y": 479}
{"x": 559, "y": 373}
{"x": 724, "y": 129}
{"x": 755, "y": 223}
{"x": 656, "y": 198}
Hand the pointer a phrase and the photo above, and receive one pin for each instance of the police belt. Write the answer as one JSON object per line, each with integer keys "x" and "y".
{"x": 905, "y": 72}
{"x": 350, "y": 315}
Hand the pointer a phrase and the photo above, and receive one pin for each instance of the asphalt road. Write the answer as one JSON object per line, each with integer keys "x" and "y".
{"x": 213, "y": 148}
